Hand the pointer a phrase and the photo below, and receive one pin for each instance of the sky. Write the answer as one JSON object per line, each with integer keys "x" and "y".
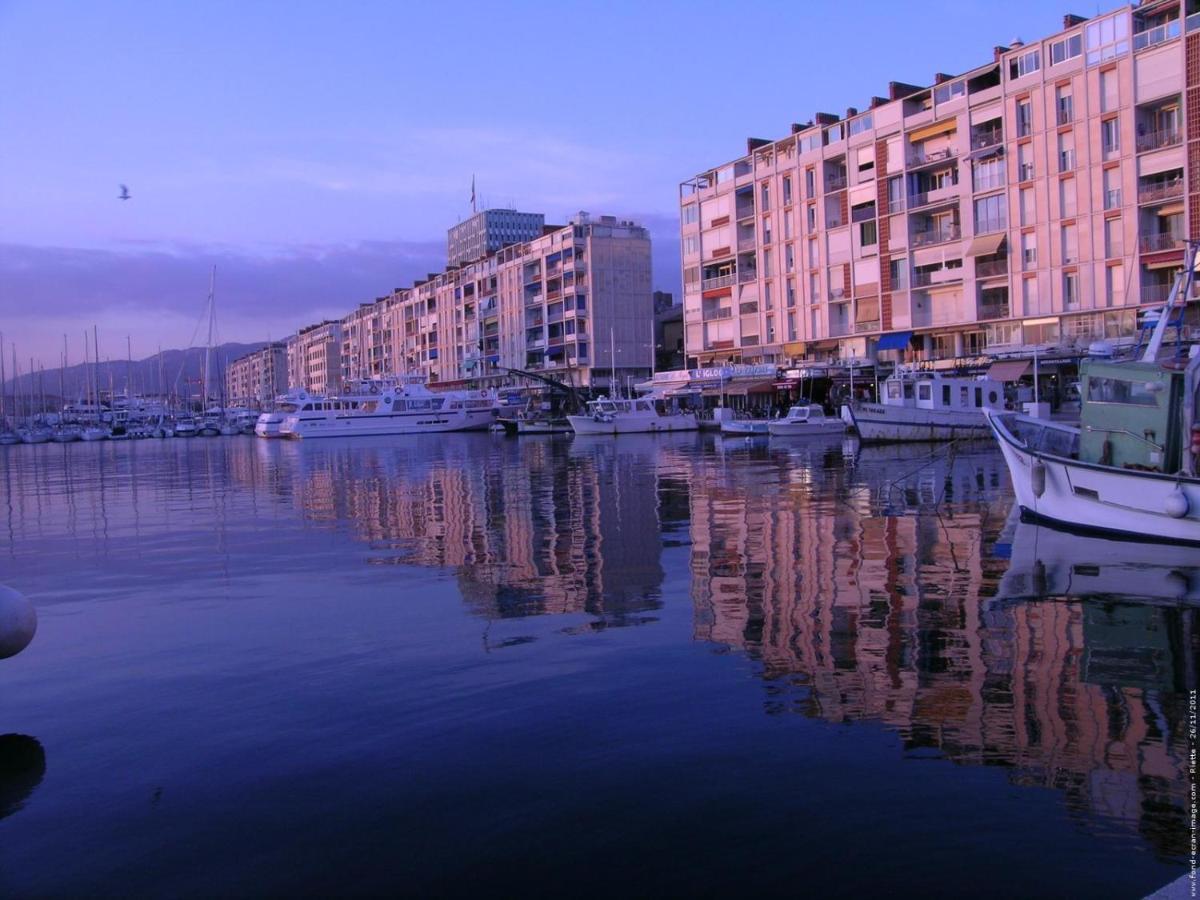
{"x": 316, "y": 152}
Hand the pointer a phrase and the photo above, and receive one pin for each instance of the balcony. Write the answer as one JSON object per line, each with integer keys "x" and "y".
{"x": 835, "y": 183}
{"x": 940, "y": 195}
{"x": 1156, "y": 140}
{"x": 921, "y": 158}
{"x": 936, "y": 236}
{"x": 534, "y": 299}
{"x": 992, "y": 268}
{"x": 981, "y": 140}
{"x": 745, "y": 212}
{"x": 535, "y": 344}
{"x": 711, "y": 284}
{"x": 747, "y": 308}
{"x": 993, "y": 311}
{"x": 1156, "y": 293}
{"x": 864, "y": 327}
{"x": 746, "y": 243}
{"x": 722, "y": 312}
{"x": 745, "y": 275}
{"x": 1165, "y": 190}
{"x": 1153, "y": 243}
{"x": 1152, "y": 37}
{"x": 1192, "y": 22}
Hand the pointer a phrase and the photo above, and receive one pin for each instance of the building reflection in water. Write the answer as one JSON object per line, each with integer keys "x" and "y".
{"x": 865, "y": 598}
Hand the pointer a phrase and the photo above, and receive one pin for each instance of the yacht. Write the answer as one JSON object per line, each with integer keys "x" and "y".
{"x": 805, "y": 420}
{"x": 927, "y": 406}
{"x": 391, "y": 409}
{"x": 605, "y": 416}
{"x": 270, "y": 424}
{"x": 186, "y": 428}
{"x": 1132, "y": 467}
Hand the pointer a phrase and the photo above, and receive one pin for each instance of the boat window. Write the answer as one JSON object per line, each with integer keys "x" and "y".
{"x": 945, "y": 395}
{"x": 992, "y": 398}
{"x": 908, "y": 392}
{"x": 963, "y": 396}
{"x": 1115, "y": 390}
{"x": 979, "y": 396}
{"x": 307, "y": 407}
{"x": 893, "y": 391}
{"x": 924, "y": 391}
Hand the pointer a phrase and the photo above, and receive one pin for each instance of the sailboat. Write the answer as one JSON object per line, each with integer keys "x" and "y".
{"x": 7, "y": 435}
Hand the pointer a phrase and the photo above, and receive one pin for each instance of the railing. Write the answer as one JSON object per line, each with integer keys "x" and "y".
{"x": 1155, "y": 293}
{"x": 989, "y": 138}
{"x": 1192, "y": 22}
{"x": 723, "y": 312}
{"x": 746, "y": 243}
{"x": 535, "y": 344}
{"x": 536, "y": 322}
{"x": 917, "y": 158}
{"x": 1149, "y": 243}
{"x": 1066, "y": 115}
{"x": 744, "y": 212}
{"x": 861, "y": 327}
{"x": 745, "y": 275}
{"x": 991, "y": 268}
{"x": 746, "y": 309}
{"x": 835, "y": 182}
{"x": 989, "y": 180}
{"x": 922, "y": 279}
{"x": 993, "y": 311}
{"x": 936, "y": 236}
{"x": 534, "y": 299}
{"x": 1154, "y": 140}
{"x": 1154, "y": 36}
{"x": 947, "y": 195}
{"x": 710, "y": 284}
{"x": 1025, "y": 172}
{"x": 1161, "y": 191}
{"x": 554, "y": 295}
{"x": 1112, "y": 199}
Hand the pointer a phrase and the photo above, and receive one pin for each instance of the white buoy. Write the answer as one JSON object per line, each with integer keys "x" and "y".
{"x": 18, "y": 622}
{"x": 1176, "y": 505}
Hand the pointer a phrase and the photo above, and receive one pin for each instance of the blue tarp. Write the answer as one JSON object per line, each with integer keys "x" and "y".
{"x": 897, "y": 340}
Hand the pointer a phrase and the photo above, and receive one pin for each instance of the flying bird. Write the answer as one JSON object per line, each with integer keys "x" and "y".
{"x": 125, "y": 195}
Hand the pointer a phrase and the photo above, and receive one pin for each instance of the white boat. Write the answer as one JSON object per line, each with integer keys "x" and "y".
{"x": 65, "y": 434}
{"x": 270, "y": 424}
{"x": 927, "y": 406}
{"x": 744, "y": 427}
{"x": 641, "y": 415}
{"x": 805, "y": 420}
{"x": 93, "y": 433}
{"x": 9, "y": 438}
{"x": 186, "y": 428}
{"x": 405, "y": 408}
{"x": 543, "y": 426}
{"x": 36, "y": 434}
{"x": 1132, "y": 467}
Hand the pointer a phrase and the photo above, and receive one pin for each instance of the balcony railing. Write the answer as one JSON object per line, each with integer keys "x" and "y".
{"x": 1155, "y": 36}
{"x": 1155, "y": 293}
{"x": 745, "y": 275}
{"x": 1025, "y": 172}
{"x": 940, "y": 195}
{"x": 1192, "y": 22}
{"x": 1151, "y": 243}
{"x": 1066, "y": 115}
{"x": 835, "y": 182}
{"x": 1154, "y": 140}
{"x": 723, "y": 312}
{"x": 993, "y": 310}
{"x": 744, "y": 212}
{"x": 919, "y": 158}
{"x": 711, "y": 284}
{"x": 922, "y": 279}
{"x": 1162, "y": 191}
{"x": 991, "y": 268}
{"x": 745, "y": 243}
{"x": 936, "y": 236}
{"x": 984, "y": 139}
{"x": 1112, "y": 199}
{"x": 989, "y": 180}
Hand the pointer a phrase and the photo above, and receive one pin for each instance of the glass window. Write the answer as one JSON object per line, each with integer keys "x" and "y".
{"x": 944, "y": 92}
{"x": 1067, "y": 48}
{"x": 691, "y": 214}
{"x": 1025, "y": 64}
{"x": 990, "y": 214}
{"x": 1107, "y": 38}
{"x": 1116, "y": 390}
{"x": 861, "y": 124}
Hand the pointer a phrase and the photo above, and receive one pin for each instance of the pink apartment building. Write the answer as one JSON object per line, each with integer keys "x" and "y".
{"x": 255, "y": 379}
{"x": 1038, "y": 200}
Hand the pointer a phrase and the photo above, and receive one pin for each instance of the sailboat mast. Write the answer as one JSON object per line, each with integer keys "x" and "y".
{"x": 3, "y": 380}
{"x": 96, "y": 366}
{"x": 212, "y": 282}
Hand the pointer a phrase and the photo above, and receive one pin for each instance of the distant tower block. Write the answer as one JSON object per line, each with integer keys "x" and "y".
{"x": 489, "y": 231}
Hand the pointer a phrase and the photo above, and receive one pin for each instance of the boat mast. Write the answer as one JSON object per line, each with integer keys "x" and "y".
{"x": 3, "y": 380}
{"x": 1180, "y": 291}
{"x": 96, "y": 369}
{"x": 62, "y": 378}
{"x": 212, "y": 281}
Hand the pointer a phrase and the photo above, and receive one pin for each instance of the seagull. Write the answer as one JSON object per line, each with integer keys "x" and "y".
{"x": 124, "y": 193}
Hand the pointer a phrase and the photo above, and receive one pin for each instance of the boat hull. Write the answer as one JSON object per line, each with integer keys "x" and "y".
{"x": 806, "y": 429}
{"x": 390, "y": 425}
{"x": 1095, "y": 498}
{"x": 543, "y": 427}
{"x": 878, "y": 423}
{"x": 744, "y": 428}
{"x": 621, "y": 424}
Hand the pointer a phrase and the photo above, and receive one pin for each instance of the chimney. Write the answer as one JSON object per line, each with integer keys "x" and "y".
{"x": 878, "y": 101}
{"x": 941, "y": 77}
{"x": 998, "y": 51}
{"x": 851, "y": 112}
{"x": 1070, "y": 20}
{"x": 898, "y": 89}
{"x": 825, "y": 118}
{"x": 753, "y": 144}
{"x": 801, "y": 126}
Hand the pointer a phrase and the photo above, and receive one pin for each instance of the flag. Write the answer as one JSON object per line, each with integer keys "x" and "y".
{"x": 472, "y": 193}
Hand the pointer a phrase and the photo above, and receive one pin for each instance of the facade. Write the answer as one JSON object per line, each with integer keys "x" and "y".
{"x": 314, "y": 358}
{"x": 1036, "y": 201}
{"x": 255, "y": 379}
{"x": 490, "y": 230}
{"x": 567, "y": 304}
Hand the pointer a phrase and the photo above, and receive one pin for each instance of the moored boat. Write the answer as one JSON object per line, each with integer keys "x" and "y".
{"x": 391, "y": 409}
{"x": 744, "y": 427}
{"x": 805, "y": 420}
{"x": 926, "y": 406}
{"x": 640, "y": 415}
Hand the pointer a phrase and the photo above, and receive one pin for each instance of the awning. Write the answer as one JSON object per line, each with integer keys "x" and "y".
{"x": 936, "y": 128}
{"x": 741, "y": 388}
{"x": 897, "y": 340}
{"x": 867, "y": 310}
{"x": 794, "y": 348}
{"x": 986, "y": 244}
{"x": 1008, "y": 369}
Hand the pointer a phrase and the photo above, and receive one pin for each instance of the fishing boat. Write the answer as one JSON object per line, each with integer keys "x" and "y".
{"x": 640, "y": 415}
{"x": 1131, "y": 467}
{"x": 406, "y": 407}
{"x": 926, "y": 406}
{"x": 802, "y": 421}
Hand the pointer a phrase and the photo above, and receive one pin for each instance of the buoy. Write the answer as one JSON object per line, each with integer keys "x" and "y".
{"x": 1037, "y": 477}
{"x": 1176, "y": 505}
{"x": 18, "y": 622}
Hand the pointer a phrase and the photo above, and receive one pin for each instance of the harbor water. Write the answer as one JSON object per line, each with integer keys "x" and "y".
{"x": 650, "y": 665}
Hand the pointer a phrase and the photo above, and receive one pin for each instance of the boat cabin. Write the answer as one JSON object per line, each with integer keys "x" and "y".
{"x": 810, "y": 413}
{"x": 943, "y": 392}
{"x": 1130, "y": 415}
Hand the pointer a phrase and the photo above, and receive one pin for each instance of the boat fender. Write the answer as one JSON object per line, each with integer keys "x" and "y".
{"x": 1176, "y": 505}
{"x": 18, "y": 622}
{"x": 1037, "y": 477}
{"x": 1039, "y": 585}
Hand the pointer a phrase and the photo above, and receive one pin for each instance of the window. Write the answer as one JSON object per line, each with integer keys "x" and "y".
{"x": 861, "y": 124}
{"x": 810, "y": 142}
{"x": 1067, "y": 48}
{"x": 868, "y": 234}
{"x": 1070, "y": 290}
{"x": 1024, "y": 118}
{"x": 1117, "y": 390}
{"x": 787, "y": 226}
{"x": 1024, "y": 64}
{"x": 1110, "y": 136}
{"x": 945, "y": 92}
{"x": 898, "y": 274}
{"x": 990, "y": 214}
{"x": 1107, "y": 38}
{"x": 1029, "y": 294}
{"x": 1112, "y": 188}
{"x": 811, "y": 215}
{"x": 1064, "y": 105}
{"x": 835, "y": 133}
{"x": 768, "y": 303}
{"x": 989, "y": 173}
{"x": 810, "y": 183}
{"x": 1070, "y": 244}
{"x": 789, "y": 258}
{"x": 766, "y": 197}
{"x": 691, "y": 245}
{"x": 691, "y": 214}
{"x": 1066, "y": 152}
{"x": 766, "y": 231}
{"x": 1066, "y": 198}
{"x": 1114, "y": 244}
{"x": 787, "y": 190}
{"x": 1028, "y": 206}
{"x": 1110, "y": 97}
{"x": 791, "y": 292}
{"x": 1029, "y": 250}
{"x": 896, "y": 192}
{"x": 1114, "y": 285}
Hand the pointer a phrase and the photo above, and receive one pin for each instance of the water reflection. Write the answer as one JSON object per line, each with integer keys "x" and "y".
{"x": 22, "y": 768}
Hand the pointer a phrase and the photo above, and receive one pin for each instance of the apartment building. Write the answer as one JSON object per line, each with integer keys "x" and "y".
{"x": 575, "y": 303}
{"x": 255, "y": 379}
{"x": 489, "y": 231}
{"x": 1038, "y": 200}
{"x": 314, "y": 358}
